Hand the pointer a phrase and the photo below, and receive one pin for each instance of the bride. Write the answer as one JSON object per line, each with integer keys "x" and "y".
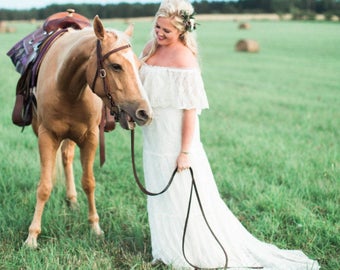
{"x": 171, "y": 76}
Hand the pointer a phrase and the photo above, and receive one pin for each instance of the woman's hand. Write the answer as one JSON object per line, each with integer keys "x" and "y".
{"x": 183, "y": 161}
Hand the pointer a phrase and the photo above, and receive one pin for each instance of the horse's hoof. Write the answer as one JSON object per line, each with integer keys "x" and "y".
{"x": 72, "y": 204}
{"x": 97, "y": 230}
{"x": 31, "y": 242}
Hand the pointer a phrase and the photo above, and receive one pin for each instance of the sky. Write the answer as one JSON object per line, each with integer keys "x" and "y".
{"x": 28, "y": 4}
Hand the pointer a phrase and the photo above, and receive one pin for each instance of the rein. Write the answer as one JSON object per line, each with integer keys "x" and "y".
{"x": 193, "y": 188}
{"x": 101, "y": 72}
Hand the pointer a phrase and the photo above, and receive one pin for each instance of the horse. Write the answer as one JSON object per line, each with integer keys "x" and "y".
{"x": 81, "y": 71}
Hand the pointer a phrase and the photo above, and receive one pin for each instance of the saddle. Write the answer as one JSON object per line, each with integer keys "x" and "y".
{"x": 65, "y": 20}
{"x": 27, "y": 55}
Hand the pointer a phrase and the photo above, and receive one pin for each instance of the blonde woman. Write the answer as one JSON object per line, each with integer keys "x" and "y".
{"x": 171, "y": 76}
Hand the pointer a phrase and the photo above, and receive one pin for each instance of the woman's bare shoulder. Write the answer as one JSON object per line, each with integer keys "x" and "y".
{"x": 185, "y": 58}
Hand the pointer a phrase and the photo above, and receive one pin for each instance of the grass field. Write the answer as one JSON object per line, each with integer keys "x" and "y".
{"x": 271, "y": 135}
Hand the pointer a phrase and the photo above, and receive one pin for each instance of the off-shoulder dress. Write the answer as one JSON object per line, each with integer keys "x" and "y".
{"x": 170, "y": 91}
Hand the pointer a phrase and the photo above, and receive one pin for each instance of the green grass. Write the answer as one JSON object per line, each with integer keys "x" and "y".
{"x": 271, "y": 135}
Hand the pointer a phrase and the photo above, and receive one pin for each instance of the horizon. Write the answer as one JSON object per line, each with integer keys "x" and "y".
{"x": 30, "y": 4}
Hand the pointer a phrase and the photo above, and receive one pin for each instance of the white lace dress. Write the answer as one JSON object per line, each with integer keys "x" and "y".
{"x": 171, "y": 90}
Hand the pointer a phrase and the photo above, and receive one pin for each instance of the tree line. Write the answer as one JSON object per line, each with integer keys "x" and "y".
{"x": 298, "y": 8}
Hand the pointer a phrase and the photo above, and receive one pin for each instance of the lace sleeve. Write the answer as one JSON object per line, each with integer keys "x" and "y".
{"x": 176, "y": 88}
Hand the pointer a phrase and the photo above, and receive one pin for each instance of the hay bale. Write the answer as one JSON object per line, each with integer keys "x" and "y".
{"x": 6, "y": 29}
{"x": 244, "y": 26}
{"x": 247, "y": 45}
{"x": 11, "y": 29}
{"x": 3, "y": 27}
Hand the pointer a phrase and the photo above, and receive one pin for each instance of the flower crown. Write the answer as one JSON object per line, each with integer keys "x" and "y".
{"x": 188, "y": 20}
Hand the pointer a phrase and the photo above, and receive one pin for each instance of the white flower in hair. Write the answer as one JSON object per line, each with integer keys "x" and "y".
{"x": 188, "y": 20}
{"x": 192, "y": 25}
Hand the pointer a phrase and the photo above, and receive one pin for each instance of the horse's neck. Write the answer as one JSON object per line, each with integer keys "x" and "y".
{"x": 76, "y": 50}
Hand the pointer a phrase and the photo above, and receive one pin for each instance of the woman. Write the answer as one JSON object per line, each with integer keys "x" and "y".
{"x": 171, "y": 76}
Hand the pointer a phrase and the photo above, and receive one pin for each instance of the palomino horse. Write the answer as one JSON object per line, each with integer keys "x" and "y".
{"x": 81, "y": 70}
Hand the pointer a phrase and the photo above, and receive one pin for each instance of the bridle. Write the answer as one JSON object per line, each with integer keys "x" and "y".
{"x": 115, "y": 110}
{"x": 101, "y": 72}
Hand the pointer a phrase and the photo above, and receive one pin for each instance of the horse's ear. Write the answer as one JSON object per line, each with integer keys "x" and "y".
{"x": 129, "y": 30}
{"x": 98, "y": 28}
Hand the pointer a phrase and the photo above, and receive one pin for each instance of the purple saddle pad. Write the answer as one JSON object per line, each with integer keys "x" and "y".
{"x": 26, "y": 50}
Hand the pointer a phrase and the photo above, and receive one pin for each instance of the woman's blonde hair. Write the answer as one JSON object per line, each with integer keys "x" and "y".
{"x": 174, "y": 9}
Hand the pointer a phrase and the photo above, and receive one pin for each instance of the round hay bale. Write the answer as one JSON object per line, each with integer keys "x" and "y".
{"x": 244, "y": 26}
{"x": 3, "y": 26}
{"x": 11, "y": 29}
{"x": 247, "y": 45}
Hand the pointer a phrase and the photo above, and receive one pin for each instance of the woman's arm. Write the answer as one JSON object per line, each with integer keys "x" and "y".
{"x": 188, "y": 128}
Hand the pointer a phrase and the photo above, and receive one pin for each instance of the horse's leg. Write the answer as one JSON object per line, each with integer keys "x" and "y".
{"x": 87, "y": 156}
{"x": 48, "y": 146}
{"x": 67, "y": 151}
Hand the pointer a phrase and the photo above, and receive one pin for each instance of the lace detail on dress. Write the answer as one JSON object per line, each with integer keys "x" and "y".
{"x": 174, "y": 87}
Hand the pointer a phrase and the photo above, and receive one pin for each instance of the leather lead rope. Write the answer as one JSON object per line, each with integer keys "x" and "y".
{"x": 193, "y": 187}
{"x": 139, "y": 183}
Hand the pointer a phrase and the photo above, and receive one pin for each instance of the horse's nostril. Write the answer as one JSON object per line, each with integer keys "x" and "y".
{"x": 142, "y": 115}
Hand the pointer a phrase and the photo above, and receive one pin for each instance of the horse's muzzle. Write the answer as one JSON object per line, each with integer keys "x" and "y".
{"x": 140, "y": 118}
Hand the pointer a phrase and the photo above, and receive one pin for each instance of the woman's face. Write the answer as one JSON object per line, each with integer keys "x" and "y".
{"x": 166, "y": 33}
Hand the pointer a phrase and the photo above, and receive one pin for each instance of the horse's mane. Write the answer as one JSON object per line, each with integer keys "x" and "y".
{"x": 122, "y": 36}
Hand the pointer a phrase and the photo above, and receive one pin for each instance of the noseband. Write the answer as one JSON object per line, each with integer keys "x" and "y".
{"x": 114, "y": 109}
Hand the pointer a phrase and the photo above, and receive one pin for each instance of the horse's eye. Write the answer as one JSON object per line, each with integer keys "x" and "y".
{"x": 116, "y": 67}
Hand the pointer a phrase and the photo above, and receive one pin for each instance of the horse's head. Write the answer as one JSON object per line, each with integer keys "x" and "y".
{"x": 112, "y": 74}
